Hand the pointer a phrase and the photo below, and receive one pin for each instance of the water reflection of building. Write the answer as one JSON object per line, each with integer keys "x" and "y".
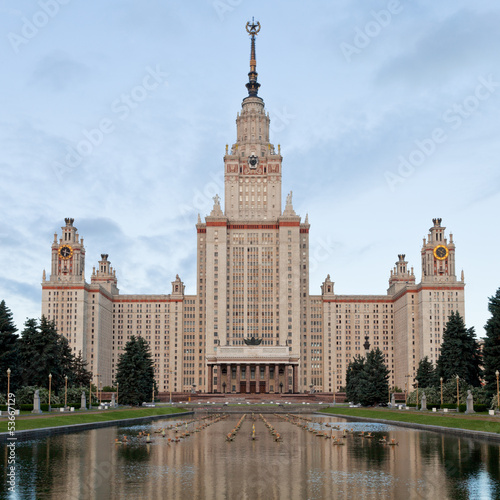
{"x": 423, "y": 465}
{"x": 253, "y": 288}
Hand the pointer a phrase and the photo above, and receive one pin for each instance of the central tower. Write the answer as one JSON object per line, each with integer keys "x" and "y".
{"x": 253, "y": 277}
{"x": 252, "y": 167}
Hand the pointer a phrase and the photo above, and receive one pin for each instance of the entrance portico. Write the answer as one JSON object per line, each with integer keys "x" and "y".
{"x": 252, "y": 370}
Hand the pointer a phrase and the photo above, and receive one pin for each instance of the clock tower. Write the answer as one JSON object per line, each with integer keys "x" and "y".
{"x": 438, "y": 255}
{"x": 68, "y": 255}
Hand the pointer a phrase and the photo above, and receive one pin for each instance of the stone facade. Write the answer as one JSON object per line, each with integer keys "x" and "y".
{"x": 252, "y": 325}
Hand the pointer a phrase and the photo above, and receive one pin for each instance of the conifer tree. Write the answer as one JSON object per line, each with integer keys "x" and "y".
{"x": 491, "y": 348}
{"x": 460, "y": 354}
{"x": 42, "y": 351}
{"x": 354, "y": 369}
{"x": 374, "y": 379}
{"x": 81, "y": 376}
{"x": 8, "y": 349}
{"x": 135, "y": 372}
{"x": 426, "y": 374}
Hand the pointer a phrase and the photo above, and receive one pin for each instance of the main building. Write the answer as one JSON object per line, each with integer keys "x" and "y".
{"x": 253, "y": 325}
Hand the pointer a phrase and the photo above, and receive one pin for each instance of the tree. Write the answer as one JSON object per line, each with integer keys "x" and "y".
{"x": 8, "y": 349}
{"x": 81, "y": 377}
{"x": 354, "y": 370}
{"x": 491, "y": 348}
{"x": 135, "y": 372}
{"x": 460, "y": 354}
{"x": 42, "y": 351}
{"x": 426, "y": 374}
{"x": 374, "y": 379}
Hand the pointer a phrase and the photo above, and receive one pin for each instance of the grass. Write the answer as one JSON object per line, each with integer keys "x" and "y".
{"x": 35, "y": 422}
{"x": 481, "y": 422}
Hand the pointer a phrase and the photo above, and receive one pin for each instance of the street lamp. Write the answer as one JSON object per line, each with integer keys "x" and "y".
{"x": 8, "y": 384}
{"x": 50, "y": 388}
{"x": 90, "y": 393}
{"x": 100, "y": 393}
{"x": 458, "y": 393}
{"x": 406, "y": 389}
{"x": 441, "y": 380}
{"x": 170, "y": 384}
{"x": 417, "y": 393}
{"x": 497, "y": 373}
{"x": 117, "y": 385}
{"x": 65, "y": 391}
{"x": 153, "y": 397}
{"x": 334, "y": 385}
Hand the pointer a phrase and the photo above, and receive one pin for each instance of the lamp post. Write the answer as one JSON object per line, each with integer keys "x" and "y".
{"x": 441, "y": 380}
{"x": 406, "y": 388}
{"x": 50, "y": 388}
{"x": 417, "y": 393}
{"x": 153, "y": 396}
{"x": 458, "y": 393}
{"x": 117, "y": 386}
{"x": 65, "y": 391}
{"x": 497, "y": 373}
{"x": 334, "y": 385}
{"x": 100, "y": 393}
{"x": 8, "y": 384}
{"x": 90, "y": 393}
{"x": 170, "y": 384}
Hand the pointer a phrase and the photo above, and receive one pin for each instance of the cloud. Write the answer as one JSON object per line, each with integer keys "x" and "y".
{"x": 58, "y": 71}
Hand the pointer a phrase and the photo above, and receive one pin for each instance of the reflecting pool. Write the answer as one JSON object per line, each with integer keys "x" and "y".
{"x": 192, "y": 460}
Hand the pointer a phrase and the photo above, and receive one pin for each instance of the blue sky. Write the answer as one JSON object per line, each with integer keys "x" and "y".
{"x": 386, "y": 113}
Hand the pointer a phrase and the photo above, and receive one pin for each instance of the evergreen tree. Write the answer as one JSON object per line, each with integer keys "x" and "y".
{"x": 8, "y": 349}
{"x": 374, "y": 379}
{"x": 354, "y": 370}
{"x": 42, "y": 351}
{"x": 426, "y": 374}
{"x": 491, "y": 348}
{"x": 460, "y": 354}
{"x": 81, "y": 376}
{"x": 135, "y": 372}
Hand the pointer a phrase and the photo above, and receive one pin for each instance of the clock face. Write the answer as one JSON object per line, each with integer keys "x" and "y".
{"x": 252, "y": 161}
{"x": 65, "y": 252}
{"x": 441, "y": 252}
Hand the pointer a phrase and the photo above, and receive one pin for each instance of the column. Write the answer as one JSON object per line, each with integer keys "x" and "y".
{"x": 257, "y": 379}
{"x": 285, "y": 383}
{"x": 210, "y": 387}
{"x": 276, "y": 379}
{"x": 248, "y": 379}
{"x": 219, "y": 378}
{"x": 228, "y": 379}
{"x": 295, "y": 387}
{"x": 267, "y": 378}
{"x": 238, "y": 377}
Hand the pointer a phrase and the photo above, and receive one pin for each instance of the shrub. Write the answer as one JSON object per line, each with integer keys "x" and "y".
{"x": 480, "y": 407}
{"x": 26, "y": 394}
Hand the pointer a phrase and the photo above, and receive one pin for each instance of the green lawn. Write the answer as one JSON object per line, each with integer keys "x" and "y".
{"x": 480, "y": 422}
{"x": 24, "y": 422}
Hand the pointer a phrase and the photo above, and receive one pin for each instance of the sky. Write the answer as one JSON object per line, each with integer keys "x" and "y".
{"x": 117, "y": 114}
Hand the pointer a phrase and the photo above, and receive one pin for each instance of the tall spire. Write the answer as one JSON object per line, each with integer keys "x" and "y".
{"x": 252, "y": 85}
